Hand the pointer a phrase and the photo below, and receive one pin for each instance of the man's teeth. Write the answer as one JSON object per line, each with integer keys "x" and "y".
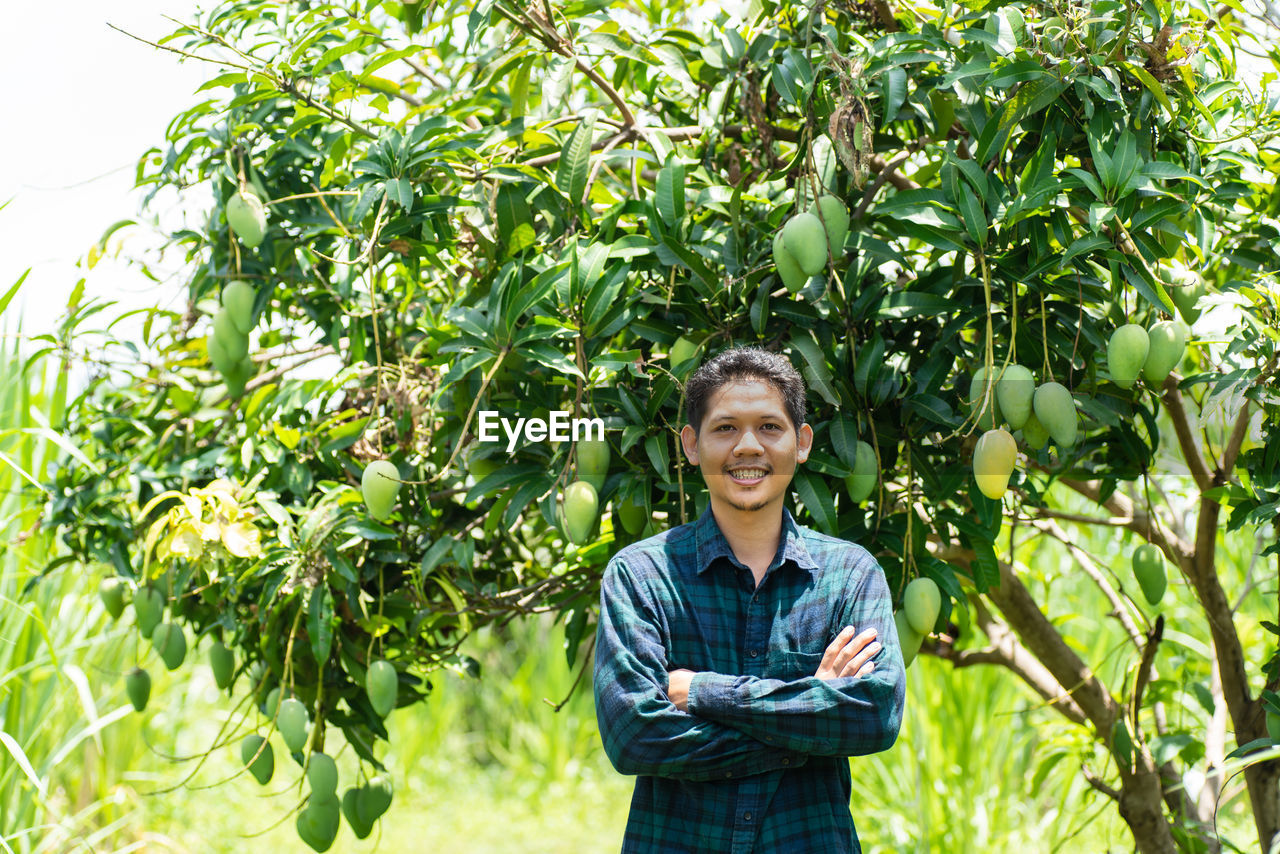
{"x": 747, "y": 474}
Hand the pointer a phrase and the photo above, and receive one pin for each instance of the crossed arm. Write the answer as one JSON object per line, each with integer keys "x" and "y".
{"x": 703, "y": 726}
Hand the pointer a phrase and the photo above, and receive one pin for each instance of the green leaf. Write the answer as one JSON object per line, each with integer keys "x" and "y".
{"x": 815, "y": 495}
{"x": 669, "y": 194}
{"x": 575, "y": 158}
{"x": 320, "y": 622}
{"x": 894, "y": 90}
{"x": 13, "y": 291}
{"x": 815, "y": 368}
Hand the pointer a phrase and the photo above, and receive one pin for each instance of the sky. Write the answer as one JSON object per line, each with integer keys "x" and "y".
{"x": 83, "y": 102}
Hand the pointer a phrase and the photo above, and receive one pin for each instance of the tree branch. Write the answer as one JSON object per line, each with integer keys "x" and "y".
{"x": 1182, "y": 427}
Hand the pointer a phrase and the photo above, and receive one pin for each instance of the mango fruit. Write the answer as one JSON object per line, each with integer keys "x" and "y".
{"x": 788, "y": 267}
{"x": 247, "y": 217}
{"x": 293, "y": 722}
{"x": 835, "y": 220}
{"x": 382, "y": 684}
{"x": 111, "y": 591}
{"x": 1168, "y": 341}
{"x": 1033, "y": 432}
{"x": 238, "y": 298}
{"x": 862, "y": 482}
{"x": 1014, "y": 392}
{"x": 1056, "y": 411}
{"x": 148, "y": 608}
{"x": 1186, "y": 290}
{"x": 265, "y": 764}
{"x": 806, "y": 240}
{"x": 580, "y": 509}
{"x": 908, "y": 638}
{"x": 222, "y": 661}
{"x": 379, "y": 485}
{"x": 170, "y": 642}
{"x": 232, "y": 341}
{"x": 632, "y": 516}
{"x": 1149, "y": 569}
{"x": 993, "y": 459}
{"x": 983, "y": 403}
{"x": 375, "y": 798}
{"x": 593, "y": 462}
{"x": 317, "y": 823}
{"x": 350, "y": 811}
{"x": 322, "y": 774}
{"x": 218, "y": 355}
{"x": 1127, "y": 353}
{"x": 137, "y": 686}
{"x": 921, "y": 601}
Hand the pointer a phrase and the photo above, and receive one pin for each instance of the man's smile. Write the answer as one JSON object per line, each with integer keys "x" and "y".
{"x": 748, "y": 476}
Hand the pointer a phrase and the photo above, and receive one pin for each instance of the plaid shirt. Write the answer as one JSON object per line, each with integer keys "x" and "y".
{"x": 758, "y": 763}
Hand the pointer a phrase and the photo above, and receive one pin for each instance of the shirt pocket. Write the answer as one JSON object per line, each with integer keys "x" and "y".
{"x": 789, "y": 665}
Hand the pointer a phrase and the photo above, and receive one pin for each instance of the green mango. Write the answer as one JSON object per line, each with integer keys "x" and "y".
{"x": 1015, "y": 389}
{"x": 265, "y": 765}
{"x": 982, "y": 402}
{"x": 1033, "y": 432}
{"x": 835, "y": 221}
{"x": 581, "y": 507}
{"x": 374, "y": 798}
{"x": 218, "y": 355}
{"x": 137, "y": 685}
{"x": 1168, "y": 340}
{"x": 112, "y": 592}
{"x": 909, "y": 640}
{"x": 269, "y": 705}
{"x": 247, "y": 217}
{"x": 788, "y": 267}
{"x": 806, "y": 240}
{"x": 862, "y": 482}
{"x": 322, "y": 775}
{"x": 170, "y": 642}
{"x": 921, "y": 601}
{"x": 223, "y": 663}
{"x": 593, "y": 462}
{"x": 350, "y": 803}
{"x": 1127, "y": 353}
{"x": 238, "y": 298}
{"x": 232, "y": 341}
{"x": 993, "y": 460}
{"x": 382, "y": 684}
{"x": 317, "y": 823}
{"x": 239, "y": 375}
{"x": 148, "y": 608}
{"x": 293, "y": 722}
{"x": 1056, "y": 411}
{"x": 1149, "y": 569}
{"x": 379, "y": 485}
{"x": 631, "y": 515}
{"x": 1186, "y": 292}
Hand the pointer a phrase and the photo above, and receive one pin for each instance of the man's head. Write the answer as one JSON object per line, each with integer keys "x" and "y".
{"x": 746, "y": 428}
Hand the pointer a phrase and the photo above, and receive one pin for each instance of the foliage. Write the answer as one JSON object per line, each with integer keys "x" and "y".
{"x": 521, "y": 208}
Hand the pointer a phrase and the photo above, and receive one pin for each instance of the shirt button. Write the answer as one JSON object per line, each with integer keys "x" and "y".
{"x": 746, "y": 816}
{"x": 754, "y": 653}
{"x": 727, "y": 776}
{"x": 786, "y": 761}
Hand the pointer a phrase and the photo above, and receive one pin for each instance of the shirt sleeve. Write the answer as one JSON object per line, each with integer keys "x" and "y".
{"x": 851, "y": 716}
{"x": 642, "y": 730}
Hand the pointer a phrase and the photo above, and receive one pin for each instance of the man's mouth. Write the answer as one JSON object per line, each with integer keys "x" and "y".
{"x": 748, "y": 475}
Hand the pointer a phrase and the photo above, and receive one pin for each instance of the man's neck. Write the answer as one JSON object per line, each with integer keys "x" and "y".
{"x": 753, "y": 535}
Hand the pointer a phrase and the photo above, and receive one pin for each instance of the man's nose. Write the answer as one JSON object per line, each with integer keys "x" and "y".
{"x": 748, "y": 444}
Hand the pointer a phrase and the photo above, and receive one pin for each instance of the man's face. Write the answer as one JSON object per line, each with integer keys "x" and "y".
{"x": 747, "y": 448}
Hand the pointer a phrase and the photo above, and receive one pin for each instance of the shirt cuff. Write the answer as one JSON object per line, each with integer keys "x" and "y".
{"x": 709, "y": 692}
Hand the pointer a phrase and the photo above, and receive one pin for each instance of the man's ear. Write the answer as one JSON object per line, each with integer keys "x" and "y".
{"x": 689, "y": 441}
{"x": 804, "y": 441}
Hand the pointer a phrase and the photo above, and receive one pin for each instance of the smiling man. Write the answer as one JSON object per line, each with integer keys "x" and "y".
{"x": 741, "y": 658}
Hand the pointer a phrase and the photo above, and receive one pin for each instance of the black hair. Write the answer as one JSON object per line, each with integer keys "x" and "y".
{"x": 745, "y": 363}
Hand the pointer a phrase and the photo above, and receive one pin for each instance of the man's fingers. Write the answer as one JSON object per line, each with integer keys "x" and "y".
{"x": 853, "y": 648}
{"x": 834, "y": 648}
{"x": 855, "y": 664}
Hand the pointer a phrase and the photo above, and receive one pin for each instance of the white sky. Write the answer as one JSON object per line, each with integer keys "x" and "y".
{"x": 83, "y": 103}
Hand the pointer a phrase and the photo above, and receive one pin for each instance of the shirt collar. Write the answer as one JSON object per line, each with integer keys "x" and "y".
{"x": 712, "y": 544}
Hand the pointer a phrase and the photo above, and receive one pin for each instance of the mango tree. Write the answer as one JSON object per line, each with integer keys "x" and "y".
{"x": 426, "y": 212}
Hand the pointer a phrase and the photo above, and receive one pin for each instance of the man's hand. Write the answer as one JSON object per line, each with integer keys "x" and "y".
{"x": 678, "y": 688}
{"x": 848, "y": 655}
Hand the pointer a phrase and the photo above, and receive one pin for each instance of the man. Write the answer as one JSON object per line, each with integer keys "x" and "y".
{"x": 741, "y": 658}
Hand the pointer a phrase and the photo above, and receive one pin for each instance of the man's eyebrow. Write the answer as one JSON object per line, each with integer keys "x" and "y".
{"x": 728, "y": 416}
